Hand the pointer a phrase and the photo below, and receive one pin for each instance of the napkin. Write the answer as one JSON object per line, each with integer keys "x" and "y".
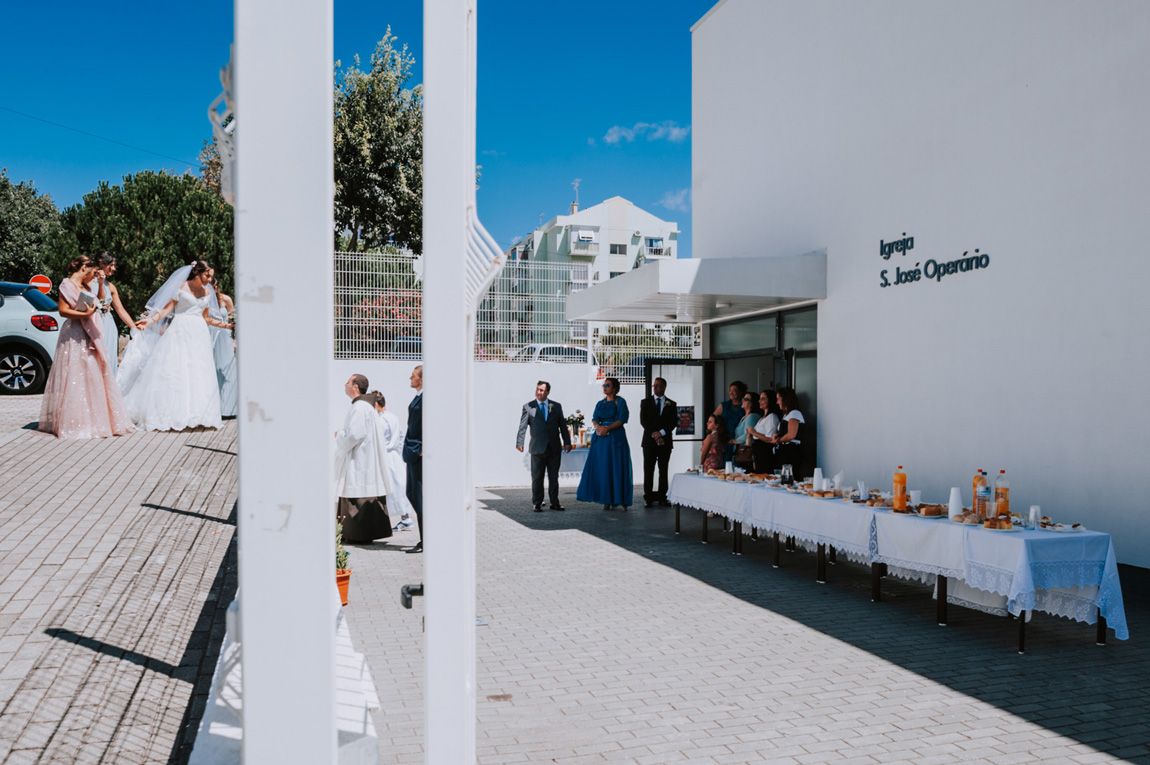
{"x": 838, "y": 480}
{"x": 862, "y": 490}
{"x": 955, "y": 507}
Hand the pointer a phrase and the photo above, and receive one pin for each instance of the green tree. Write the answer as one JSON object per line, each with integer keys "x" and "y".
{"x": 379, "y": 151}
{"x": 153, "y": 223}
{"x": 28, "y": 219}
{"x": 211, "y": 166}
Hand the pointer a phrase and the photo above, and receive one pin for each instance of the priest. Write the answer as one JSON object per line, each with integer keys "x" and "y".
{"x": 361, "y": 478}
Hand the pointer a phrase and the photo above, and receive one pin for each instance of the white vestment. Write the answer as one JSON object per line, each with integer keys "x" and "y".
{"x": 361, "y": 454}
{"x": 397, "y": 504}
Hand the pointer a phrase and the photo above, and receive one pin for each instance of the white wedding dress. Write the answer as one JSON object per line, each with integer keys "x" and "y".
{"x": 176, "y": 388}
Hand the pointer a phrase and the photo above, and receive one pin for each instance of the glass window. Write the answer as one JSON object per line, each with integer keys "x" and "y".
{"x": 754, "y": 334}
{"x": 800, "y": 329}
{"x": 39, "y": 300}
{"x": 618, "y": 249}
{"x": 616, "y": 273}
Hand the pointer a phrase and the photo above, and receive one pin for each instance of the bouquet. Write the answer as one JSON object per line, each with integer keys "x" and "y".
{"x": 575, "y": 421}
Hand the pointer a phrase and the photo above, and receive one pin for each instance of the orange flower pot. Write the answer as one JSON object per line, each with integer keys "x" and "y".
{"x": 342, "y": 579}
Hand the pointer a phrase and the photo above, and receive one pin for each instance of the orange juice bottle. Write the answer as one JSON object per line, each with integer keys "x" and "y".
{"x": 899, "y": 490}
{"x": 1001, "y": 494}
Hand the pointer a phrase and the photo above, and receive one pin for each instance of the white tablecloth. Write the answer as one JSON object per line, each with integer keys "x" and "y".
{"x": 570, "y": 466}
{"x": 1072, "y": 575}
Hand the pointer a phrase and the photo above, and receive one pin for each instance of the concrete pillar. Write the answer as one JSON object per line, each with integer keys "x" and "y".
{"x": 284, "y": 190}
{"x": 449, "y": 515}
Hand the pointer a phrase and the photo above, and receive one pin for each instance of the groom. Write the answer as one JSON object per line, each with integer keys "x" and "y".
{"x": 545, "y": 418}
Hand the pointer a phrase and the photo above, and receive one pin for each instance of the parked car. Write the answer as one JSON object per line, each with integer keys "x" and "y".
{"x": 634, "y": 369}
{"x": 406, "y": 348}
{"x": 556, "y": 354}
{"x": 29, "y": 329}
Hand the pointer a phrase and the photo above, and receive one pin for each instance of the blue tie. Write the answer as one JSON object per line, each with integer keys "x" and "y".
{"x": 543, "y": 406}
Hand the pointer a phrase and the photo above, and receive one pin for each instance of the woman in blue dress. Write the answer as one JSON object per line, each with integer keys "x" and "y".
{"x": 607, "y": 477}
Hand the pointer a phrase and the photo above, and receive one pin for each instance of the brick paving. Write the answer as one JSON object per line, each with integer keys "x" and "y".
{"x": 608, "y": 638}
{"x": 117, "y": 560}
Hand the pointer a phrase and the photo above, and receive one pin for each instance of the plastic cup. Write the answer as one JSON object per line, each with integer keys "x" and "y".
{"x": 915, "y": 497}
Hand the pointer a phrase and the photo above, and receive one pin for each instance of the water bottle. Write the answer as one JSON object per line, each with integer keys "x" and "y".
{"x": 981, "y": 494}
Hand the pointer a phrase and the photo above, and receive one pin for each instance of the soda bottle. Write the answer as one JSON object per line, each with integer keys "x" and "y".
{"x": 1001, "y": 494}
{"x": 899, "y": 490}
{"x": 974, "y": 491}
{"x": 981, "y": 494}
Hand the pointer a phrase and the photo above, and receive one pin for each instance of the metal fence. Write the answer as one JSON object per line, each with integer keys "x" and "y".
{"x": 379, "y": 314}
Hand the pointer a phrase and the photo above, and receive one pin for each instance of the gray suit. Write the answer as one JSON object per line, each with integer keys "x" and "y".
{"x": 548, "y": 437}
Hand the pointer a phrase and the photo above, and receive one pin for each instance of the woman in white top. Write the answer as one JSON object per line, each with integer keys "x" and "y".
{"x": 764, "y": 432}
{"x": 788, "y": 442}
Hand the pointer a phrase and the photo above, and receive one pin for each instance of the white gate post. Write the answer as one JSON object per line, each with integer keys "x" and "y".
{"x": 284, "y": 190}
{"x": 449, "y": 517}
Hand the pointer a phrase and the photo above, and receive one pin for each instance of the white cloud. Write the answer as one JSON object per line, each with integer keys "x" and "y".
{"x": 492, "y": 153}
{"x": 654, "y": 131}
{"x": 676, "y": 200}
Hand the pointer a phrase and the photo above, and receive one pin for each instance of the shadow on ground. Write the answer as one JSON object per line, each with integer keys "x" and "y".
{"x": 1097, "y": 695}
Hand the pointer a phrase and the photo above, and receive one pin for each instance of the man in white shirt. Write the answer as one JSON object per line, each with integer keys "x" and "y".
{"x": 361, "y": 468}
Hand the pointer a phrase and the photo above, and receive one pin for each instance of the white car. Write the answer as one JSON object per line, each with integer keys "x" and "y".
{"x": 556, "y": 354}
{"x": 29, "y": 329}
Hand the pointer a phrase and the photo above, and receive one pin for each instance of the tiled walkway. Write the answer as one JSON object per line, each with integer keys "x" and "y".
{"x": 116, "y": 561}
{"x": 609, "y": 639}
{"x": 606, "y": 638}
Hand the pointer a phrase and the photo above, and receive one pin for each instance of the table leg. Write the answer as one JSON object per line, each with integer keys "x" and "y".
{"x": 940, "y": 607}
{"x": 790, "y": 544}
{"x": 775, "y": 551}
{"x": 1022, "y": 632}
{"x": 875, "y": 580}
{"x": 754, "y": 533}
{"x": 705, "y": 514}
{"x": 736, "y": 534}
{"x": 832, "y": 558}
{"x": 821, "y": 569}
{"x": 1100, "y": 638}
{"x": 677, "y": 528}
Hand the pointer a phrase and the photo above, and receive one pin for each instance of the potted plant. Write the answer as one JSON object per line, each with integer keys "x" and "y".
{"x": 342, "y": 572}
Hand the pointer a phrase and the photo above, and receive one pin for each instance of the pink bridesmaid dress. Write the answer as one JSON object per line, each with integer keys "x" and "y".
{"x": 81, "y": 397}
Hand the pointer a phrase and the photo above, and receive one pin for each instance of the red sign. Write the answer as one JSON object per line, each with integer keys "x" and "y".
{"x": 42, "y": 283}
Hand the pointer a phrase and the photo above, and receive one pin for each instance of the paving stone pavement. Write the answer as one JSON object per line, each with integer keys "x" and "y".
{"x": 117, "y": 562}
{"x": 608, "y": 638}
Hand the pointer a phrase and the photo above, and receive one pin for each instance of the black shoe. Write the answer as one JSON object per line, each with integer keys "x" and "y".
{"x": 558, "y": 507}
{"x": 648, "y": 503}
{"x": 539, "y": 508}
{"x": 417, "y": 549}
{"x": 664, "y": 503}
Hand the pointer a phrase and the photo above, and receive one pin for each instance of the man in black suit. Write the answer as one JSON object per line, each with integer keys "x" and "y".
{"x": 658, "y": 415}
{"x": 548, "y": 428}
{"x": 413, "y": 453}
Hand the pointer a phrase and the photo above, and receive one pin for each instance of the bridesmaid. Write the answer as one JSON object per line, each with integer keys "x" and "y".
{"x": 607, "y": 477}
{"x": 224, "y": 350}
{"x": 81, "y": 398}
{"x": 110, "y": 300}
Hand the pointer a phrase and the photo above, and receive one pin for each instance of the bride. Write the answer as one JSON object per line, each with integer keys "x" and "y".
{"x": 169, "y": 377}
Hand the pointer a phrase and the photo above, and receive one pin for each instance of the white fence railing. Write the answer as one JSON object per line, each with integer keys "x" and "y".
{"x": 379, "y": 315}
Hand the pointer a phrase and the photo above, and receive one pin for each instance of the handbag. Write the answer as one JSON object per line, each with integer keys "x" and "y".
{"x": 744, "y": 453}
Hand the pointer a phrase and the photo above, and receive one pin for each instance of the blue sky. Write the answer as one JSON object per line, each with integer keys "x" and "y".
{"x": 594, "y": 90}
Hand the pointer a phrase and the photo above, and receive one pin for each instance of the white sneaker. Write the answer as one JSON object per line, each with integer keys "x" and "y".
{"x": 403, "y": 525}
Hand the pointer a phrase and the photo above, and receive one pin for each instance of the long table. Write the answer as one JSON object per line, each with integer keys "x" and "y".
{"x": 1067, "y": 574}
